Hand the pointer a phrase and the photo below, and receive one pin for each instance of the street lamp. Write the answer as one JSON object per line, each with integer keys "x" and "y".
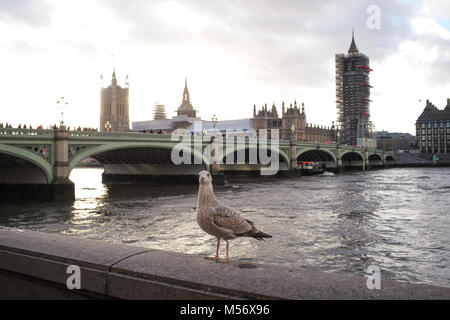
{"x": 62, "y": 106}
{"x": 338, "y": 137}
{"x": 108, "y": 126}
{"x": 293, "y": 130}
{"x": 214, "y": 122}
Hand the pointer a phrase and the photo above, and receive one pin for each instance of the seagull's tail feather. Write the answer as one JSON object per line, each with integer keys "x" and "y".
{"x": 255, "y": 233}
{"x": 258, "y": 235}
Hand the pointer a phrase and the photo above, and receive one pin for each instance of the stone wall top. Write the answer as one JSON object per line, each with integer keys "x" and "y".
{"x": 130, "y": 272}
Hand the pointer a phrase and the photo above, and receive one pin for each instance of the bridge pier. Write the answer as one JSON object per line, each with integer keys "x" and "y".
{"x": 367, "y": 165}
{"x": 63, "y": 188}
{"x": 293, "y": 156}
{"x": 339, "y": 167}
{"x": 384, "y": 161}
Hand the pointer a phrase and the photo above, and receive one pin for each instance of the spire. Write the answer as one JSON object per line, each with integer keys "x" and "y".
{"x": 186, "y": 99}
{"x": 353, "y": 48}
{"x": 113, "y": 79}
{"x": 186, "y": 107}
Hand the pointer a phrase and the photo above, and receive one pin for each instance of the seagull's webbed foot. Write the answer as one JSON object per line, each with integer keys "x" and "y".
{"x": 217, "y": 252}
{"x": 226, "y": 260}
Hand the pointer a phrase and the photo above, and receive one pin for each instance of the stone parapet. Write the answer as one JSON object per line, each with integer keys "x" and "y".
{"x": 33, "y": 265}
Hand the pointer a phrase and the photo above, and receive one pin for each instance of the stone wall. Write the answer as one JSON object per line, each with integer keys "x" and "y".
{"x": 34, "y": 265}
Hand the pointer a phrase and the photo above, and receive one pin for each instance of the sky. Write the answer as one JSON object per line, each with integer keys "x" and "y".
{"x": 233, "y": 53}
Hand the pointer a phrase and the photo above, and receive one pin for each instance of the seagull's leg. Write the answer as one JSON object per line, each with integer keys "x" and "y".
{"x": 226, "y": 257}
{"x": 217, "y": 252}
{"x": 217, "y": 249}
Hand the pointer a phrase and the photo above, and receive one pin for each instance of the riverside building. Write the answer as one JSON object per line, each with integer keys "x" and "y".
{"x": 433, "y": 129}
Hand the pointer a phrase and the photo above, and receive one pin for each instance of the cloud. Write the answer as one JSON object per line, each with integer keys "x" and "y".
{"x": 236, "y": 52}
{"x": 290, "y": 41}
{"x": 31, "y": 12}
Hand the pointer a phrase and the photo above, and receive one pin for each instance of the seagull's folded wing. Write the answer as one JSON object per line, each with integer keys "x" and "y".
{"x": 229, "y": 219}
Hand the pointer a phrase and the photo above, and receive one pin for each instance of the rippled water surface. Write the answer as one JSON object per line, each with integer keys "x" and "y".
{"x": 397, "y": 218}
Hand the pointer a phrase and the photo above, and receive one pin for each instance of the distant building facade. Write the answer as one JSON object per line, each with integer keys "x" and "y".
{"x": 186, "y": 116}
{"x": 352, "y": 98}
{"x": 433, "y": 129}
{"x": 187, "y": 119}
{"x": 114, "y": 106}
{"x": 266, "y": 119}
{"x": 291, "y": 125}
{"x": 395, "y": 141}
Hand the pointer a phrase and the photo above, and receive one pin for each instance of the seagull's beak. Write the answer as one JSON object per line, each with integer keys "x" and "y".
{"x": 202, "y": 179}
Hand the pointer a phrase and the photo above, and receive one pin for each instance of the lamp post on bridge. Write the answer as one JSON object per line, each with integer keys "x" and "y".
{"x": 107, "y": 126}
{"x": 293, "y": 149}
{"x": 214, "y": 122}
{"x": 62, "y": 106}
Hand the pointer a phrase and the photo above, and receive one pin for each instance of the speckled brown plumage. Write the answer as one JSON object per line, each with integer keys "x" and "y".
{"x": 219, "y": 221}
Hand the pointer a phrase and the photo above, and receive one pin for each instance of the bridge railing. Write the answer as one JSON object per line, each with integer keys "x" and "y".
{"x": 104, "y": 134}
{"x": 14, "y": 132}
{"x": 155, "y": 136}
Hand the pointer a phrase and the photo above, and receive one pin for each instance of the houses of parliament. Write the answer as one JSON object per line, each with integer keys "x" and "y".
{"x": 114, "y": 106}
{"x": 114, "y": 116}
{"x": 291, "y": 125}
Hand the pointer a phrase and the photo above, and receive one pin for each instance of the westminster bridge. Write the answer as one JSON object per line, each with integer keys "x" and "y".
{"x": 33, "y": 160}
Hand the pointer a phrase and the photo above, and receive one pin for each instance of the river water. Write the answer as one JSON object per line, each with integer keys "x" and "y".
{"x": 397, "y": 219}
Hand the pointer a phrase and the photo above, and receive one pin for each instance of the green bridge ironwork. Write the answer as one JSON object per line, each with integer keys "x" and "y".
{"x": 57, "y": 152}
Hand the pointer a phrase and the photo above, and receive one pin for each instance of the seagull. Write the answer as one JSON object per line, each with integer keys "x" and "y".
{"x": 219, "y": 221}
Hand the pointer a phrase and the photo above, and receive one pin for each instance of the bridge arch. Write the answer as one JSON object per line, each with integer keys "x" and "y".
{"x": 352, "y": 155}
{"x": 375, "y": 159}
{"x": 36, "y": 162}
{"x": 105, "y": 150}
{"x": 390, "y": 159}
{"x": 280, "y": 152}
{"x": 312, "y": 153}
{"x": 324, "y": 156}
{"x": 352, "y": 159}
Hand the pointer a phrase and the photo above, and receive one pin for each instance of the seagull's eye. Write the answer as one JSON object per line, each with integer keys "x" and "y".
{"x": 208, "y": 175}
